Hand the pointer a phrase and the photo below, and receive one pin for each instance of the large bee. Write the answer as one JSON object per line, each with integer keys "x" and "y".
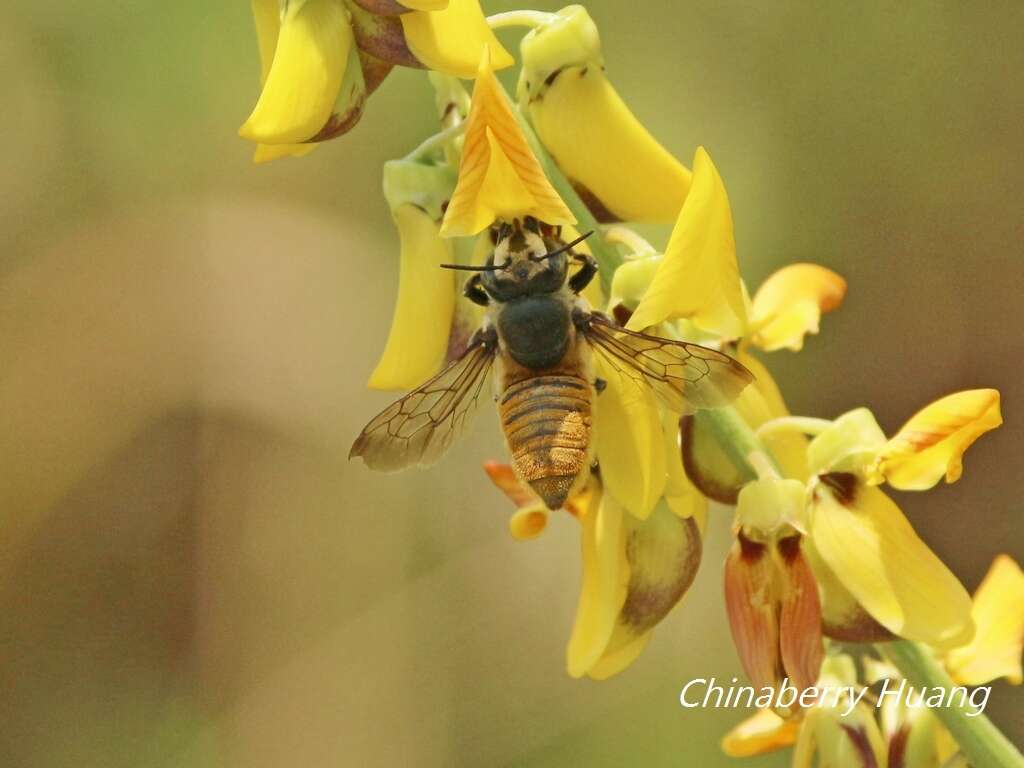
{"x": 542, "y": 334}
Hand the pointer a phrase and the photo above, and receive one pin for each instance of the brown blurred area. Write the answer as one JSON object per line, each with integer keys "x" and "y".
{"x": 192, "y": 574}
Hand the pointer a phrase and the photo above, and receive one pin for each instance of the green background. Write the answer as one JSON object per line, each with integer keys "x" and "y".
{"x": 191, "y": 574}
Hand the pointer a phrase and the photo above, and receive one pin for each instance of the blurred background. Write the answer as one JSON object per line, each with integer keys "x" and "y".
{"x": 191, "y": 574}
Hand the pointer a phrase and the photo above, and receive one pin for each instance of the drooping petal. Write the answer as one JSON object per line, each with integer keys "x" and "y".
{"x": 451, "y": 40}
{"x": 499, "y": 177}
{"x": 789, "y": 305}
{"x": 706, "y": 462}
{"x": 305, "y": 76}
{"x": 619, "y": 169}
{"x": 869, "y": 545}
{"x": 425, "y": 306}
{"x": 998, "y": 614}
{"x": 932, "y": 443}
{"x": 663, "y": 553}
{"x": 681, "y": 494}
{"x": 531, "y": 516}
{"x": 751, "y": 605}
{"x": 698, "y": 279}
{"x": 629, "y": 440}
{"x": 759, "y": 734}
{"x": 603, "y": 589}
{"x": 800, "y": 642}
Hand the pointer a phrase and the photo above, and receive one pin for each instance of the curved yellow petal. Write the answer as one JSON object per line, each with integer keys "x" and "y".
{"x": 681, "y": 494}
{"x": 422, "y": 321}
{"x": 266, "y": 152}
{"x": 789, "y": 304}
{"x": 630, "y": 442}
{"x": 698, "y": 278}
{"x": 267, "y": 16}
{"x": 499, "y": 177}
{"x": 528, "y": 522}
{"x": 999, "y": 616}
{"x": 761, "y": 733}
{"x": 603, "y": 589}
{"x": 663, "y": 553}
{"x": 864, "y": 538}
{"x": 451, "y": 40}
{"x": 932, "y": 443}
{"x": 621, "y": 171}
{"x": 305, "y": 76}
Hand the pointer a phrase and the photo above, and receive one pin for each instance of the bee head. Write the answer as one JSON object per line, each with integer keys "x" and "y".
{"x": 529, "y": 257}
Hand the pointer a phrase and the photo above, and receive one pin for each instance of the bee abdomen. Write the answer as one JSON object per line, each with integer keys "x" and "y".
{"x": 546, "y": 420}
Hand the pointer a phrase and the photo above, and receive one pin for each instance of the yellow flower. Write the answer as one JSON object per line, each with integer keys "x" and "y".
{"x": 998, "y": 613}
{"x": 634, "y": 571}
{"x": 835, "y": 731}
{"x": 932, "y": 443}
{"x": 698, "y": 279}
{"x": 499, "y": 176}
{"x": 618, "y": 168}
{"x": 770, "y": 593}
{"x": 426, "y": 305}
{"x": 322, "y": 58}
{"x": 789, "y": 305}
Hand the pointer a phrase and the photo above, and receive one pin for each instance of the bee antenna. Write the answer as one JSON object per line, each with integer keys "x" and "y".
{"x": 469, "y": 268}
{"x": 566, "y": 247}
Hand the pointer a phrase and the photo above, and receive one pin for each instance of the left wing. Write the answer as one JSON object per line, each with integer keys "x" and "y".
{"x": 419, "y": 428}
{"x": 685, "y": 376}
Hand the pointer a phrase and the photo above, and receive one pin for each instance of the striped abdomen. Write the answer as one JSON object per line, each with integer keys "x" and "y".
{"x": 546, "y": 419}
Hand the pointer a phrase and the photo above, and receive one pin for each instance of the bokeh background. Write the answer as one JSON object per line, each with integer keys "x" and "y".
{"x": 191, "y": 574}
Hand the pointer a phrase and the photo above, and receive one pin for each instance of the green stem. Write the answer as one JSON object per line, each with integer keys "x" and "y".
{"x": 608, "y": 259}
{"x": 437, "y": 142}
{"x": 984, "y": 745}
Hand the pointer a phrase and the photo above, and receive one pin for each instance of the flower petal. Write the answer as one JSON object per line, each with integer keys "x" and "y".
{"x": 499, "y": 177}
{"x": 452, "y": 39}
{"x": 752, "y": 609}
{"x": 629, "y": 440}
{"x": 789, "y": 304}
{"x": 698, "y": 279}
{"x": 603, "y": 590}
{"x": 872, "y": 549}
{"x": 800, "y": 642}
{"x": 998, "y": 613}
{"x": 842, "y": 617}
{"x": 932, "y": 443}
{"x": 760, "y": 733}
{"x": 850, "y": 444}
{"x": 425, "y": 306}
{"x": 619, "y": 169}
{"x": 305, "y": 76}
{"x": 763, "y": 401}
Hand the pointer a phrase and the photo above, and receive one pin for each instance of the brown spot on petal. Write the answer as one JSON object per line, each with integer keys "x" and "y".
{"x": 750, "y": 550}
{"x": 898, "y": 748}
{"x": 715, "y": 476}
{"x": 337, "y": 125}
{"x": 374, "y": 70}
{"x": 553, "y": 76}
{"x": 621, "y": 314}
{"x": 383, "y": 38}
{"x": 861, "y": 743}
{"x": 593, "y": 202}
{"x": 651, "y": 594}
{"x": 383, "y": 7}
{"x": 843, "y": 485}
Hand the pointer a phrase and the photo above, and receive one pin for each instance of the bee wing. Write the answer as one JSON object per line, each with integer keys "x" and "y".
{"x": 419, "y": 428}
{"x": 685, "y": 376}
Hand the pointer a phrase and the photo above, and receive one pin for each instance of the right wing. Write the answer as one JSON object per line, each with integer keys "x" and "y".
{"x": 685, "y": 376}
{"x": 419, "y": 428}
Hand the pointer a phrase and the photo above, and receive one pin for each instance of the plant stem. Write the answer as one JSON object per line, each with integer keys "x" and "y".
{"x": 437, "y": 142}
{"x": 984, "y": 745}
{"x": 608, "y": 259}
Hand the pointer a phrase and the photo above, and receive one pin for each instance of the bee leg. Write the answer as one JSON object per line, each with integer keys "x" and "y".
{"x": 582, "y": 279}
{"x": 474, "y": 291}
{"x": 599, "y": 385}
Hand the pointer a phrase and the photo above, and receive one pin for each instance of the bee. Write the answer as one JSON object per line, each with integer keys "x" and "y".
{"x": 540, "y": 336}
